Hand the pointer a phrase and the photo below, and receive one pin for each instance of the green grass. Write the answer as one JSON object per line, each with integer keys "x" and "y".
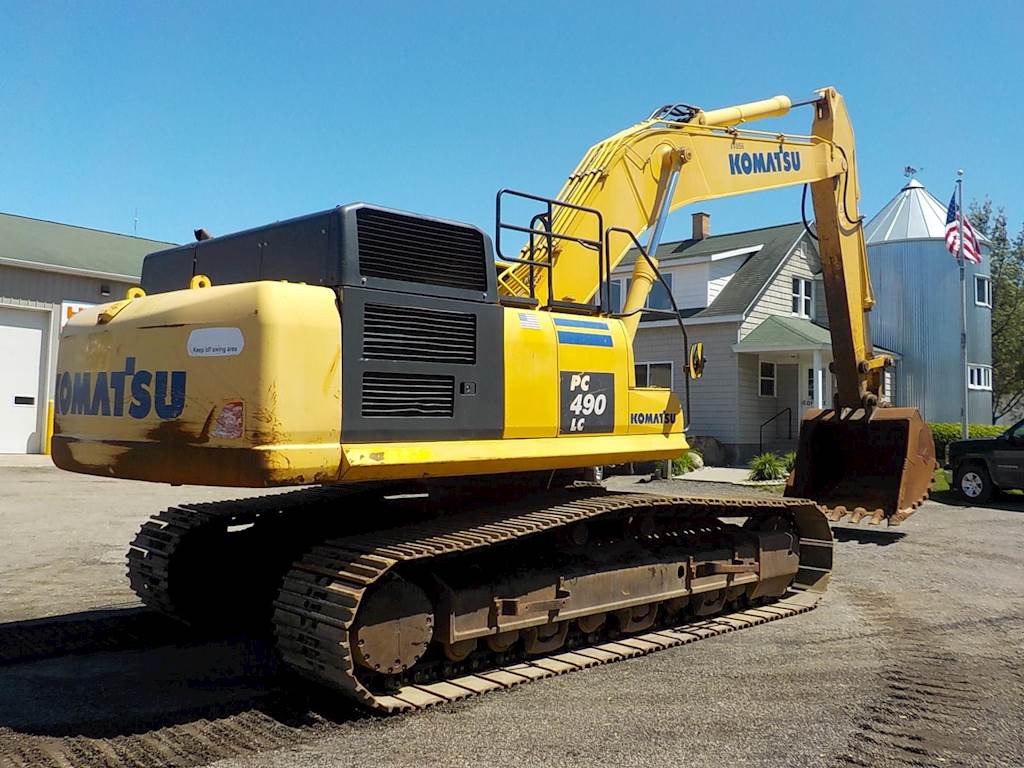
{"x": 767, "y": 466}
{"x": 939, "y": 482}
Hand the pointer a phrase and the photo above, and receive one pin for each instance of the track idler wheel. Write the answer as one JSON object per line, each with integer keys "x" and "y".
{"x": 459, "y": 651}
{"x": 546, "y": 638}
{"x": 637, "y": 618}
{"x": 503, "y": 641}
{"x": 393, "y": 628}
{"x": 590, "y": 624}
{"x": 708, "y": 603}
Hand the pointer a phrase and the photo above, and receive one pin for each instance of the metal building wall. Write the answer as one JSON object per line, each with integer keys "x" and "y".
{"x": 44, "y": 291}
{"x": 917, "y": 287}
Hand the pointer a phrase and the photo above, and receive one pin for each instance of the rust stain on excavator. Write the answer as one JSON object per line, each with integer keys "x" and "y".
{"x": 179, "y": 432}
{"x": 332, "y": 373}
{"x": 271, "y": 430}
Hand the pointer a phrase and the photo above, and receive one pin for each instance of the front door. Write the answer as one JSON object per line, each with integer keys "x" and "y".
{"x": 21, "y": 350}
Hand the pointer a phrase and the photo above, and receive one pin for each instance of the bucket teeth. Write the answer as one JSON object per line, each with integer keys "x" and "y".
{"x": 858, "y": 515}
{"x": 875, "y": 464}
{"x": 835, "y": 514}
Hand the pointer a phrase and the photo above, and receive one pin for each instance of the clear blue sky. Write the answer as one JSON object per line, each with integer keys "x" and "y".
{"x": 226, "y": 116}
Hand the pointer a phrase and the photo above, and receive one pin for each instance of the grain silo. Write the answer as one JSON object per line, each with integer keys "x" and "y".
{"x": 917, "y": 286}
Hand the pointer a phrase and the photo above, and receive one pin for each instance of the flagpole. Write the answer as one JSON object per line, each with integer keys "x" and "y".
{"x": 964, "y": 423}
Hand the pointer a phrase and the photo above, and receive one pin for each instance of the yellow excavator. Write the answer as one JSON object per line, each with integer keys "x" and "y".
{"x": 440, "y": 402}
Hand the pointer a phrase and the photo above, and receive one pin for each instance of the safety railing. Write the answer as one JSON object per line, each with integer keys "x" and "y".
{"x": 789, "y": 424}
{"x": 540, "y": 248}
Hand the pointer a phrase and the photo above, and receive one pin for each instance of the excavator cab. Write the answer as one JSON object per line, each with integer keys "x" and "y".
{"x": 876, "y": 464}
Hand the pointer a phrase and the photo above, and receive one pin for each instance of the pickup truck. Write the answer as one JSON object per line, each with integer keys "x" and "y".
{"x": 982, "y": 467}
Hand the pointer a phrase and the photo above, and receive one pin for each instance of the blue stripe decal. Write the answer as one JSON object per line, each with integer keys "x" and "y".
{"x": 566, "y": 323}
{"x": 584, "y": 339}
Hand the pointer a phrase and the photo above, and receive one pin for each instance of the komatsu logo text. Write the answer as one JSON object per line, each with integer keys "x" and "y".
{"x": 106, "y": 393}
{"x": 652, "y": 418}
{"x": 743, "y": 163}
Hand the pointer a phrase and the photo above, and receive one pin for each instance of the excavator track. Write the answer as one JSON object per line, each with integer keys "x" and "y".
{"x": 317, "y": 610}
{"x": 185, "y": 561}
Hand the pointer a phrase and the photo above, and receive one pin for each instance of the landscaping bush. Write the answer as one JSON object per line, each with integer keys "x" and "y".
{"x": 688, "y": 462}
{"x": 945, "y": 434}
{"x": 767, "y": 466}
{"x": 789, "y": 461}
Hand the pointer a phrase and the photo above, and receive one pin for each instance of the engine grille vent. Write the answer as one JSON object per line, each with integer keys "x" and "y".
{"x": 417, "y": 334}
{"x": 408, "y": 394}
{"x": 398, "y": 247}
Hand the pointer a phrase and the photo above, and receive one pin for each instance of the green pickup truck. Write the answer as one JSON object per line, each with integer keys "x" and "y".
{"x": 982, "y": 467}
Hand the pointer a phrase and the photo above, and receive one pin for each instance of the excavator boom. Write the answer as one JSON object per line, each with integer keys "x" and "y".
{"x": 683, "y": 155}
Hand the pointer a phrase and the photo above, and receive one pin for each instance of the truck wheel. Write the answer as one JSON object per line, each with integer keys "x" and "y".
{"x": 973, "y": 483}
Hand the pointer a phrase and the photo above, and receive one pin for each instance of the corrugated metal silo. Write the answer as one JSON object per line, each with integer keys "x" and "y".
{"x": 917, "y": 287}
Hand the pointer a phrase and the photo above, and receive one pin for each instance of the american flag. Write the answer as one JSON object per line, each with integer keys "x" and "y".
{"x": 972, "y": 252}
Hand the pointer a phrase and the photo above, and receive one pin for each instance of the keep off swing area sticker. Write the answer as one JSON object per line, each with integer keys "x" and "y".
{"x": 215, "y": 342}
{"x": 587, "y": 402}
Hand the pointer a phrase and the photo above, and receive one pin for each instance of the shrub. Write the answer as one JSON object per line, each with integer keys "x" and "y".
{"x": 945, "y": 434}
{"x": 789, "y": 461}
{"x": 767, "y": 466}
{"x": 688, "y": 462}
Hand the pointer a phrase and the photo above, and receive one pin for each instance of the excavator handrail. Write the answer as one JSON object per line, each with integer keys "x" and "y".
{"x": 550, "y": 236}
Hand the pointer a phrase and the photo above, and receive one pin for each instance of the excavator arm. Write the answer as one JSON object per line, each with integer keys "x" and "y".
{"x": 683, "y": 155}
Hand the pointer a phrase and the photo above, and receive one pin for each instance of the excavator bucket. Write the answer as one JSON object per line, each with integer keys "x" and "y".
{"x": 878, "y": 466}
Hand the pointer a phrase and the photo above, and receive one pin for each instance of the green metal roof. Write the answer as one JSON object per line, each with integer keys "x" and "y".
{"x": 781, "y": 332}
{"x": 784, "y": 333}
{"x": 62, "y": 247}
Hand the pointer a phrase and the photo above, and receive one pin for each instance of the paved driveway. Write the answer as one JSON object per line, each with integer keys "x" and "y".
{"x": 913, "y": 658}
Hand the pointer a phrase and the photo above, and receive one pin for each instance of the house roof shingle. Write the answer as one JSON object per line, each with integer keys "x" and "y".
{"x": 751, "y": 278}
{"x": 48, "y": 244}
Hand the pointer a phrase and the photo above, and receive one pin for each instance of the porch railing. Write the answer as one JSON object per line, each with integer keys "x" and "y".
{"x": 789, "y": 424}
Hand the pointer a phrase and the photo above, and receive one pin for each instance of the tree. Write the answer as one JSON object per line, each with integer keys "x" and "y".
{"x": 1007, "y": 269}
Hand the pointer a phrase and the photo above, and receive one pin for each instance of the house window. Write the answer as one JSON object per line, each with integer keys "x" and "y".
{"x": 886, "y": 390}
{"x": 616, "y": 295}
{"x": 654, "y": 375}
{"x": 767, "y": 384}
{"x": 982, "y": 291}
{"x": 658, "y": 297}
{"x": 979, "y": 377}
{"x": 803, "y": 297}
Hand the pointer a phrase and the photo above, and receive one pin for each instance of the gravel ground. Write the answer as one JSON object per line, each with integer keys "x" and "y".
{"x": 913, "y": 658}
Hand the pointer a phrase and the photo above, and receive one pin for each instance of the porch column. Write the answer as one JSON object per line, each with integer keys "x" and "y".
{"x": 819, "y": 380}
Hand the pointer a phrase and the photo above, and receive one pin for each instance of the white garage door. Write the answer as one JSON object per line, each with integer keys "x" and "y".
{"x": 21, "y": 366}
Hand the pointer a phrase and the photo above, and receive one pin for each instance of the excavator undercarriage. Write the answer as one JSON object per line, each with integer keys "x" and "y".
{"x": 451, "y": 604}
